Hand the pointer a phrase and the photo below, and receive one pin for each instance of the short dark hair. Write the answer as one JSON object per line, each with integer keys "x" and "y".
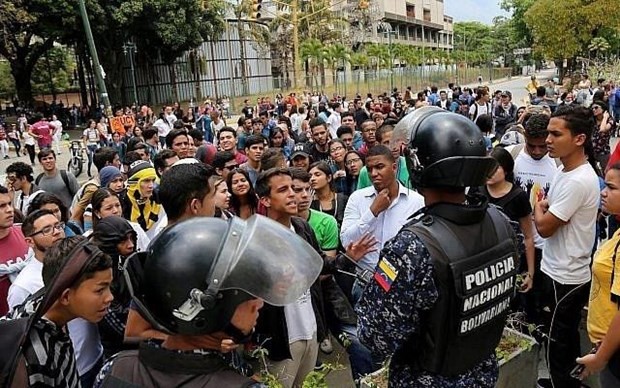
{"x": 159, "y": 161}
{"x": 45, "y": 152}
{"x": 104, "y": 156}
{"x": 45, "y": 198}
{"x": 382, "y": 130}
{"x": 299, "y": 174}
{"x": 254, "y": 139}
{"x": 3, "y": 190}
{"x": 58, "y": 255}
{"x": 316, "y": 122}
{"x": 270, "y": 158}
{"x": 380, "y": 150}
{"x": 342, "y": 130}
{"x": 130, "y": 157}
{"x": 31, "y": 218}
{"x": 263, "y": 114}
{"x": 173, "y": 135}
{"x": 263, "y": 185}
{"x": 346, "y": 114}
{"x": 536, "y": 126}
{"x": 21, "y": 170}
{"x": 227, "y": 129}
{"x": 221, "y": 158}
{"x": 485, "y": 123}
{"x": 197, "y": 135}
{"x": 182, "y": 183}
{"x": 149, "y": 133}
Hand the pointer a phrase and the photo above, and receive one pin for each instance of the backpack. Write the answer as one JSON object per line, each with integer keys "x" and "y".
{"x": 13, "y": 332}
{"x": 63, "y": 175}
{"x": 475, "y": 116}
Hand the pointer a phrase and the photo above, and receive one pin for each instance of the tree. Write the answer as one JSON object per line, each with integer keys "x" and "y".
{"x": 578, "y": 20}
{"x": 336, "y": 55}
{"x": 27, "y": 32}
{"x": 360, "y": 62}
{"x": 312, "y": 51}
{"x": 379, "y": 56}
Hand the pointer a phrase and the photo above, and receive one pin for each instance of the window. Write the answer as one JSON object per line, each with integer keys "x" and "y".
{"x": 410, "y": 11}
{"x": 427, "y": 15}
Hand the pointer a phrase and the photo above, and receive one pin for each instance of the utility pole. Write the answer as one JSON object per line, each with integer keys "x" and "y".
{"x": 105, "y": 99}
{"x": 130, "y": 48}
{"x": 296, "y": 60}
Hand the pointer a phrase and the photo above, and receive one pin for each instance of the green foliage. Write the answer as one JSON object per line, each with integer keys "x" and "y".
{"x": 7, "y": 83}
{"x": 57, "y": 63}
{"x": 566, "y": 31}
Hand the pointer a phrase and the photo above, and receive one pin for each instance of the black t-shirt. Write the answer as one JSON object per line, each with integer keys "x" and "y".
{"x": 316, "y": 155}
{"x": 515, "y": 203}
{"x": 248, "y": 111}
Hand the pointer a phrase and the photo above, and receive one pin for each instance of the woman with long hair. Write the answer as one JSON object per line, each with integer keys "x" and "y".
{"x": 105, "y": 203}
{"x": 221, "y": 198}
{"x": 325, "y": 198}
{"x": 353, "y": 161}
{"x": 90, "y": 139}
{"x": 337, "y": 152}
{"x": 605, "y": 127}
{"x": 243, "y": 200}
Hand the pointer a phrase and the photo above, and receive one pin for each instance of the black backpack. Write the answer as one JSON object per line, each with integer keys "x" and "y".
{"x": 65, "y": 179}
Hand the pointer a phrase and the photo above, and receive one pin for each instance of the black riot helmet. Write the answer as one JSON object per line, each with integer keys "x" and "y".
{"x": 444, "y": 149}
{"x": 196, "y": 273}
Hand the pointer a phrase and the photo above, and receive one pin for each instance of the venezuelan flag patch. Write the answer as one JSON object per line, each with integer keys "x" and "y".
{"x": 385, "y": 274}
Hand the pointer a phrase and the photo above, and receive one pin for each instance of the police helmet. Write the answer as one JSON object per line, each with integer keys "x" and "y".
{"x": 444, "y": 149}
{"x": 196, "y": 272}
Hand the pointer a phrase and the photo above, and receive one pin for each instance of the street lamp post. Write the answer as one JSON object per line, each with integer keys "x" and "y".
{"x": 130, "y": 49}
{"x": 105, "y": 99}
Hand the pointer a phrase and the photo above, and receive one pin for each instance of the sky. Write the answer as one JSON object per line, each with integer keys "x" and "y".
{"x": 469, "y": 10}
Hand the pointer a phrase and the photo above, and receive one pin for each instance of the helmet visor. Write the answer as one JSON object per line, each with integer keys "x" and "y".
{"x": 267, "y": 260}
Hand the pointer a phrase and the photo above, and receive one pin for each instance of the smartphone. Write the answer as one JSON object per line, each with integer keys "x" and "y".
{"x": 578, "y": 369}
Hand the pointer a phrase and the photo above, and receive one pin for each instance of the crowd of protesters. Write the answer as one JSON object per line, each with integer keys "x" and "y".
{"x": 349, "y": 180}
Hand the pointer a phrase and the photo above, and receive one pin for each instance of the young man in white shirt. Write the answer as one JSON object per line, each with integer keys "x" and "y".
{"x": 481, "y": 106}
{"x": 381, "y": 209}
{"x": 567, "y": 220}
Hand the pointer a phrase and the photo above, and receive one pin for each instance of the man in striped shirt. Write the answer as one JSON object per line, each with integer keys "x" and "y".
{"x": 48, "y": 352}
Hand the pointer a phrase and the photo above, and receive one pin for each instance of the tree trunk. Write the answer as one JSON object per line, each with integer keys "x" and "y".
{"x": 22, "y": 75}
{"x": 244, "y": 76}
{"x": 113, "y": 63}
{"x": 79, "y": 56}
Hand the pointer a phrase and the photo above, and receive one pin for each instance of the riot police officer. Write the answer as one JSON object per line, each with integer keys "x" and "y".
{"x": 441, "y": 291}
{"x": 204, "y": 280}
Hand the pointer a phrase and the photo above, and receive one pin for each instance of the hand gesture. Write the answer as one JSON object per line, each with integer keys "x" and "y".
{"x": 381, "y": 203}
{"x": 358, "y": 249}
{"x": 593, "y": 364}
{"x": 527, "y": 284}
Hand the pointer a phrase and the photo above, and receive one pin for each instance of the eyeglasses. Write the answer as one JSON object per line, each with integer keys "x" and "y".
{"x": 334, "y": 149}
{"x": 353, "y": 161}
{"x": 49, "y": 230}
{"x": 596, "y": 107}
{"x": 232, "y": 166}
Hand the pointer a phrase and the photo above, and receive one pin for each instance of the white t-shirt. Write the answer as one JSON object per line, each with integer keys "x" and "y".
{"x": 482, "y": 109}
{"x": 573, "y": 198}
{"x": 91, "y": 135}
{"x": 534, "y": 177}
{"x": 300, "y": 318}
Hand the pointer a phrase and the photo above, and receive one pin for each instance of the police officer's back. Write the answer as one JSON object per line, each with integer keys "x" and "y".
{"x": 440, "y": 295}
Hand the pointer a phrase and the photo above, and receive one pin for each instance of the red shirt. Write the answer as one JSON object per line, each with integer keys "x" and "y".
{"x": 43, "y": 129}
{"x": 13, "y": 249}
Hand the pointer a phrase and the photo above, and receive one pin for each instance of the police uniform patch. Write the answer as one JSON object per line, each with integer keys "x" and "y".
{"x": 385, "y": 274}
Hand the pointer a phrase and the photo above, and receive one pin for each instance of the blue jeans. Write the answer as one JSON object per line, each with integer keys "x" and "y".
{"x": 90, "y": 151}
